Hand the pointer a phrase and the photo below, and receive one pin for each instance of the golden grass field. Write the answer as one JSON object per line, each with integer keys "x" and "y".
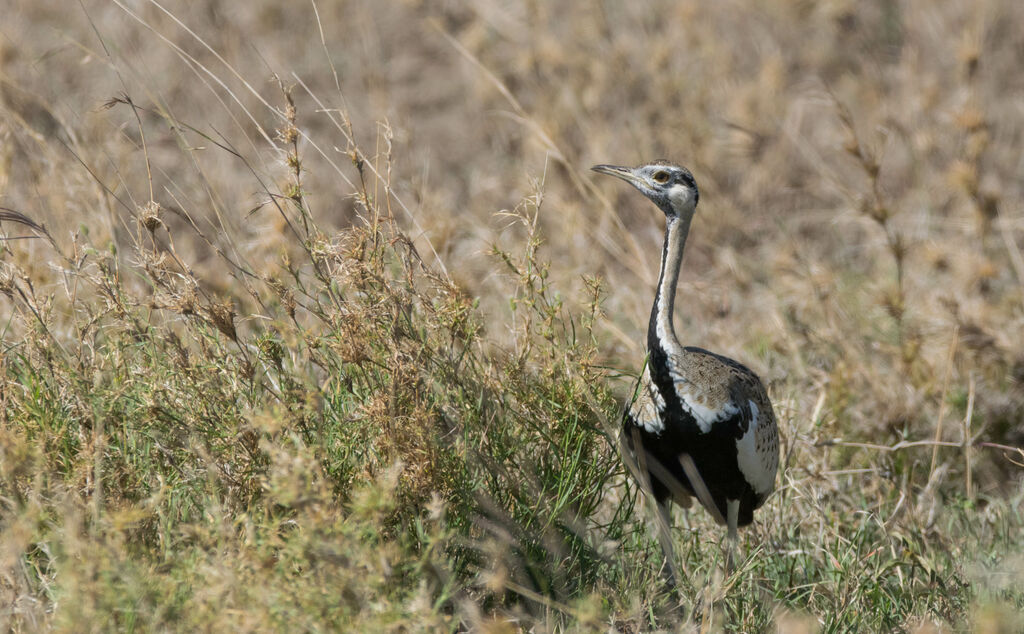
{"x": 315, "y": 319}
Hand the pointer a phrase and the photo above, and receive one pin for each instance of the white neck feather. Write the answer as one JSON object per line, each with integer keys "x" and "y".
{"x": 672, "y": 257}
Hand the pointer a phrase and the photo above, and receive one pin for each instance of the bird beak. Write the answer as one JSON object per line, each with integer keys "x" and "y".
{"x": 625, "y": 173}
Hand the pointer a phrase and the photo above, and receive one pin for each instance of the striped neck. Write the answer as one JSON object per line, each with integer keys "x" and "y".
{"x": 661, "y": 334}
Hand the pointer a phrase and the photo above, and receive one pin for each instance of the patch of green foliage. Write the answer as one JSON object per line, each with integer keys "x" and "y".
{"x": 365, "y": 458}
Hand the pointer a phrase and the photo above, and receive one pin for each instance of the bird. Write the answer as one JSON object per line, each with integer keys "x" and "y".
{"x": 699, "y": 424}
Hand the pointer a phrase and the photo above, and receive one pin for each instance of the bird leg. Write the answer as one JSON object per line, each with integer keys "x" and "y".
{"x": 733, "y": 511}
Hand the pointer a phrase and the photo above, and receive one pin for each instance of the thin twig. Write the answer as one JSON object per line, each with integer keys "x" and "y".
{"x": 942, "y": 399}
{"x": 699, "y": 488}
{"x": 995, "y": 445}
{"x": 908, "y": 444}
{"x": 903, "y": 444}
{"x": 967, "y": 435}
{"x": 662, "y": 529}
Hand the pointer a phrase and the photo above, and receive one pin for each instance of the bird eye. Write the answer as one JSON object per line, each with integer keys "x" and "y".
{"x": 660, "y": 177}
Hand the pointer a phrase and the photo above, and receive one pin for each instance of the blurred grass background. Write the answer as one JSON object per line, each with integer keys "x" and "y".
{"x": 329, "y": 325}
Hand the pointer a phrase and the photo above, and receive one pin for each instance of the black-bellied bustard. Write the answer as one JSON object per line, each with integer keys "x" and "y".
{"x": 699, "y": 424}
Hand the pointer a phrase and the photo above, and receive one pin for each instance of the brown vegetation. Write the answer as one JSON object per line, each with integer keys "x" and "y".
{"x": 314, "y": 316}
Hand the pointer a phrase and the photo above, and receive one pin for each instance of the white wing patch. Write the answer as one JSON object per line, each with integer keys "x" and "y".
{"x": 761, "y": 476}
{"x": 646, "y": 410}
{"x": 697, "y": 402}
{"x": 706, "y": 416}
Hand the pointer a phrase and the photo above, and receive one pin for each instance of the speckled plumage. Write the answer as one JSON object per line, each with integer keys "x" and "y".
{"x": 691, "y": 404}
{"x": 718, "y": 412}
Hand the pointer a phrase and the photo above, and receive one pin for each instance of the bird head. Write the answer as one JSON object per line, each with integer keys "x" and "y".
{"x": 669, "y": 186}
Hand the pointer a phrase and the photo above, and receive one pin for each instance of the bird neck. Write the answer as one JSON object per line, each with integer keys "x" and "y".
{"x": 661, "y": 334}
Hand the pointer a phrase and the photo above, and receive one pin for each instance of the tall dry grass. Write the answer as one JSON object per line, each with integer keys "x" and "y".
{"x": 325, "y": 324}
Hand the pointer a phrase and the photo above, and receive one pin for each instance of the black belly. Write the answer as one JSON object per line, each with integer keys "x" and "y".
{"x": 713, "y": 453}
